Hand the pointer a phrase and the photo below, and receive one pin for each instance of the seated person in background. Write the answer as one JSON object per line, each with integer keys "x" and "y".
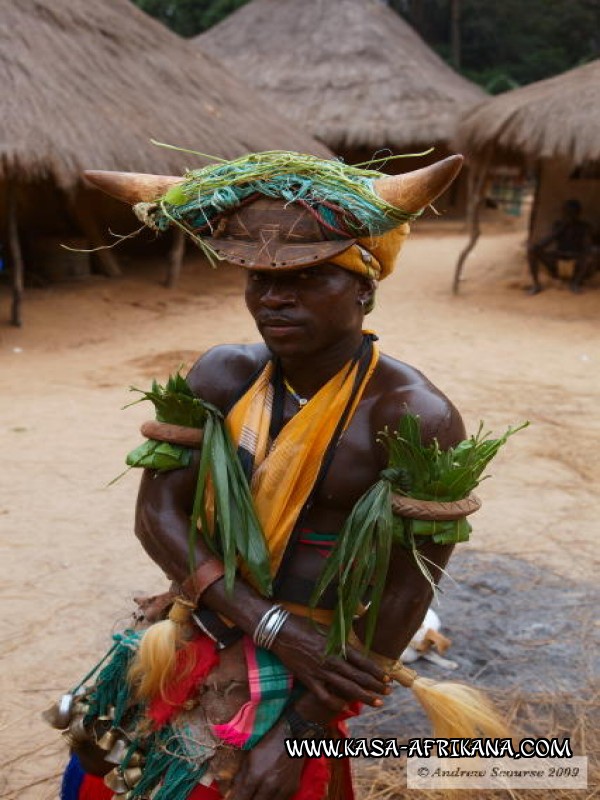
{"x": 570, "y": 239}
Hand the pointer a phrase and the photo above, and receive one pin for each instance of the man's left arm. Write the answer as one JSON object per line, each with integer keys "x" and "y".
{"x": 406, "y": 598}
{"x": 408, "y": 592}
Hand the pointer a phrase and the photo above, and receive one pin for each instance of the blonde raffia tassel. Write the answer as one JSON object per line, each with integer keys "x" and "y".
{"x": 457, "y": 711}
{"x": 154, "y": 664}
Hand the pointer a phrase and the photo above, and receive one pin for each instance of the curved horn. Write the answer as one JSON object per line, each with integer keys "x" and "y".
{"x": 132, "y": 187}
{"x": 414, "y": 190}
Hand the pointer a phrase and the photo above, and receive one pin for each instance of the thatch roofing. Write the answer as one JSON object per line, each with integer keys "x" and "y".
{"x": 351, "y": 71}
{"x": 86, "y": 84}
{"x": 559, "y": 116}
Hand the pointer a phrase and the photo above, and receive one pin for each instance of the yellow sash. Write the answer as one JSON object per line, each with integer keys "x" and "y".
{"x": 285, "y": 472}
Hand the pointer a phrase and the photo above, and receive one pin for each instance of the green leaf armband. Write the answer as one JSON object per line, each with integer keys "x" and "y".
{"x": 424, "y": 495}
{"x": 225, "y": 517}
{"x": 440, "y": 522}
{"x": 161, "y": 456}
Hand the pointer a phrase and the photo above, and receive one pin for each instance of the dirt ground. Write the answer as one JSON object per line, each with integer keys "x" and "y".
{"x": 70, "y": 560}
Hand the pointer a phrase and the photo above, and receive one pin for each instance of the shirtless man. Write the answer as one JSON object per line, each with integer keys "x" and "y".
{"x": 311, "y": 321}
{"x": 570, "y": 238}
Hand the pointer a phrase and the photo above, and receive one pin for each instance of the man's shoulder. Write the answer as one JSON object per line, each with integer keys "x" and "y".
{"x": 400, "y": 388}
{"x": 220, "y": 373}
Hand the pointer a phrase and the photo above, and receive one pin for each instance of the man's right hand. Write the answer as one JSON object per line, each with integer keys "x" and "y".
{"x": 301, "y": 647}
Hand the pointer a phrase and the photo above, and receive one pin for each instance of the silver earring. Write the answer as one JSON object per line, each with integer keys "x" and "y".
{"x": 361, "y": 302}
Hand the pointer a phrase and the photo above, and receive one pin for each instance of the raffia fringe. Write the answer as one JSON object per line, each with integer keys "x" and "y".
{"x": 454, "y": 709}
{"x": 155, "y": 662}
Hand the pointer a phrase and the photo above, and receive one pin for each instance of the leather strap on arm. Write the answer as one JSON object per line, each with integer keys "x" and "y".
{"x": 199, "y": 581}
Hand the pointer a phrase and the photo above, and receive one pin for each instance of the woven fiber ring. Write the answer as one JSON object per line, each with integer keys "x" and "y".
{"x": 173, "y": 434}
{"x": 434, "y": 510}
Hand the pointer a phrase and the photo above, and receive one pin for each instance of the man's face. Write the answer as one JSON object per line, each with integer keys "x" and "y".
{"x": 307, "y": 310}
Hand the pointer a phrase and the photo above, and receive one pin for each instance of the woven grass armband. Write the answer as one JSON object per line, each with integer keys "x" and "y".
{"x": 181, "y": 435}
{"x": 435, "y": 510}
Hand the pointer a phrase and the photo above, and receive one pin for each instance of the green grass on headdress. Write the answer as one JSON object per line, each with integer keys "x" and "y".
{"x": 218, "y": 188}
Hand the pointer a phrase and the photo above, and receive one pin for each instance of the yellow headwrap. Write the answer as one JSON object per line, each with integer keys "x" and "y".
{"x": 374, "y": 256}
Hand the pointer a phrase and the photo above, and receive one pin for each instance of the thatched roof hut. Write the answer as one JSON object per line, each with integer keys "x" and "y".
{"x": 556, "y": 117}
{"x": 87, "y": 83}
{"x": 352, "y": 72}
{"x": 551, "y": 127}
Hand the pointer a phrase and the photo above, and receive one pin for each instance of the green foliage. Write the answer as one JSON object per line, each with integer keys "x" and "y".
{"x": 207, "y": 193}
{"x": 360, "y": 559}
{"x": 512, "y": 43}
{"x": 503, "y": 45}
{"x": 176, "y": 403}
{"x": 161, "y": 456}
{"x": 189, "y": 17}
{"x": 433, "y": 473}
{"x": 235, "y": 532}
{"x": 427, "y": 472}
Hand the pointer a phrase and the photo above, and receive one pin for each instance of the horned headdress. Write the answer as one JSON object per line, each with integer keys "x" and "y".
{"x": 285, "y": 211}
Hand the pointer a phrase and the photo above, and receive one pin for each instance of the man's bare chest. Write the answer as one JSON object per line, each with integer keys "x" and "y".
{"x": 353, "y": 466}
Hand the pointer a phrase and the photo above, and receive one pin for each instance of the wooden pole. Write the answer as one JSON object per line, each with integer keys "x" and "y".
{"x": 535, "y": 206}
{"x": 16, "y": 257}
{"x": 80, "y": 209}
{"x": 175, "y": 258}
{"x": 478, "y": 172}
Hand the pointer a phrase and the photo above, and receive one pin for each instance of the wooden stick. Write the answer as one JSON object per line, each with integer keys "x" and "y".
{"x": 175, "y": 259}
{"x": 18, "y": 267}
{"x": 79, "y": 206}
{"x": 477, "y": 176}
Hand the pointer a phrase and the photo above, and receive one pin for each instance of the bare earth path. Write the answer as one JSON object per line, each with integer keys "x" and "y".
{"x": 70, "y": 560}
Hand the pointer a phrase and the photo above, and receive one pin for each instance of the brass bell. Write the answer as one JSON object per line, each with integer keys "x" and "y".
{"x": 135, "y": 759}
{"x": 109, "y": 716}
{"x": 78, "y": 731}
{"x": 132, "y": 776}
{"x": 107, "y": 742}
{"x": 59, "y": 714}
{"x": 118, "y": 751}
{"x": 115, "y": 781}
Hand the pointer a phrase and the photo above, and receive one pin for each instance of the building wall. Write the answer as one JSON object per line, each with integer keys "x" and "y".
{"x": 556, "y": 185}
{"x": 45, "y": 220}
{"x": 452, "y": 204}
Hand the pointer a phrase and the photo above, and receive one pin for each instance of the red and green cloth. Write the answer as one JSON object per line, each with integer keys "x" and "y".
{"x": 271, "y": 688}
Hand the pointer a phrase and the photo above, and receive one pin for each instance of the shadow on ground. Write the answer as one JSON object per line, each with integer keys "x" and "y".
{"x": 523, "y": 634}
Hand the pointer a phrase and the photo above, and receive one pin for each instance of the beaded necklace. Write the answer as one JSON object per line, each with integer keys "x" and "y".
{"x": 302, "y": 401}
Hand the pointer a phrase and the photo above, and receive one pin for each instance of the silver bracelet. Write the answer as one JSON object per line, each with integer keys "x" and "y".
{"x": 258, "y": 635}
{"x": 275, "y": 625}
{"x": 269, "y": 626}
